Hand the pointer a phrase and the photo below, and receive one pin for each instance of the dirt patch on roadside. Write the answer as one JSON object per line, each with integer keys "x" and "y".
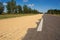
{"x": 16, "y": 28}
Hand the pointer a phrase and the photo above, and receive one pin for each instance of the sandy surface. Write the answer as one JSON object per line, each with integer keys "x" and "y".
{"x": 16, "y": 28}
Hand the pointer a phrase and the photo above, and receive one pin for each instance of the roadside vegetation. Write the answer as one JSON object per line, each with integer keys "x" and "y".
{"x": 4, "y": 16}
{"x": 14, "y": 10}
{"x": 53, "y": 11}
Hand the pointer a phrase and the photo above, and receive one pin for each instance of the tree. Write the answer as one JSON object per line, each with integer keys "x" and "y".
{"x": 35, "y": 11}
{"x": 1, "y": 8}
{"x": 11, "y": 5}
{"x": 29, "y": 10}
{"x": 53, "y": 11}
{"x": 19, "y": 9}
{"x": 25, "y": 9}
{"x": 8, "y": 7}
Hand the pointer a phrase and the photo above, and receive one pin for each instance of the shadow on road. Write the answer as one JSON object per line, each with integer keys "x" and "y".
{"x": 32, "y": 33}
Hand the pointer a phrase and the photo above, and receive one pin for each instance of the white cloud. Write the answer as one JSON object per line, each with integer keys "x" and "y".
{"x": 30, "y": 5}
{"x": 4, "y": 3}
{"x": 25, "y": 0}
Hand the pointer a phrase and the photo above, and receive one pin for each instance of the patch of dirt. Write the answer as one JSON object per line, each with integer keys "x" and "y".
{"x": 16, "y": 28}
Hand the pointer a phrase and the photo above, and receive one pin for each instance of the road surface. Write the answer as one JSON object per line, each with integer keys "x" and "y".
{"x": 51, "y": 27}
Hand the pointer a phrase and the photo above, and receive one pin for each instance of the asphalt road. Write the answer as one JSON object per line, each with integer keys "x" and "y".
{"x": 50, "y": 29}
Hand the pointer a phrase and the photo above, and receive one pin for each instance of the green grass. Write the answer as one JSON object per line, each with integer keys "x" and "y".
{"x": 13, "y": 15}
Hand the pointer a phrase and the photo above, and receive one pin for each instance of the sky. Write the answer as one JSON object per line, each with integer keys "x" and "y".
{"x": 40, "y": 5}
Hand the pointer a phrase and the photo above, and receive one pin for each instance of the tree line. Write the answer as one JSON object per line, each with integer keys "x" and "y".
{"x": 53, "y": 11}
{"x": 13, "y": 8}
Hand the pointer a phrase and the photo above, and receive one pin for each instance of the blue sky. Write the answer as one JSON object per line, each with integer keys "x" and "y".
{"x": 40, "y": 5}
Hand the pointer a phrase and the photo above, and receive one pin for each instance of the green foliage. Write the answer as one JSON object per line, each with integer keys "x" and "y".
{"x": 8, "y": 7}
{"x": 18, "y": 9}
{"x": 11, "y": 6}
{"x": 35, "y": 11}
{"x": 25, "y": 9}
{"x": 29, "y": 10}
{"x": 53, "y": 11}
{"x": 1, "y": 8}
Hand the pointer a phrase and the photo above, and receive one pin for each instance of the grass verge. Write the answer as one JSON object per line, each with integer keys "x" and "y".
{"x": 13, "y": 15}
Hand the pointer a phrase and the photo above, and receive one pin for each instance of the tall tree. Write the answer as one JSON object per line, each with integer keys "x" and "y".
{"x": 29, "y": 10}
{"x": 11, "y": 6}
{"x": 35, "y": 11}
{"x": 25, "y": 9}
{"x": 1, "y": 7}
{"x": 53, "y": 11}
{"x": 8, "y": 7}
{"x": 19, "y": 9}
